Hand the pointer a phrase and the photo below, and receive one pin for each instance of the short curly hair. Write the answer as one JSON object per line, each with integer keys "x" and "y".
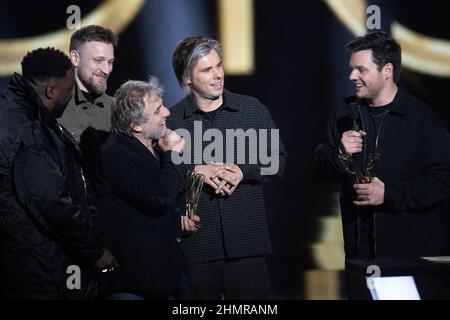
{"x": 45, "y": 64}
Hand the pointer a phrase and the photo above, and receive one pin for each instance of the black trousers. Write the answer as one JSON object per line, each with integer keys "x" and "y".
{"x": 239, "y": 279}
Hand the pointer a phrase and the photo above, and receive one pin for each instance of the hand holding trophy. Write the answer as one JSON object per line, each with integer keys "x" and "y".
{"x": 194, "y": 184}
{"x": 355, "y": 172}
{"x": 351, "y": 143}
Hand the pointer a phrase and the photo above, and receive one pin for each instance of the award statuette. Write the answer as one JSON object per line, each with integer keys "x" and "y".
{"x": 194, "y": 184}
{"x": 355, "y": 172}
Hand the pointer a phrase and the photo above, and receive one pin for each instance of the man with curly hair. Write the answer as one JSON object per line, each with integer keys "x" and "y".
{"x": 49, "y": 248}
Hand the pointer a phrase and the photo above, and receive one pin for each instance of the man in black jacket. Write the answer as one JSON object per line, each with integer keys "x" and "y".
{"x": 226, "y": 258}
{"x": 49, "y": 249}
{"x": 403, "y": 210}
{"x": 138, "y": 189}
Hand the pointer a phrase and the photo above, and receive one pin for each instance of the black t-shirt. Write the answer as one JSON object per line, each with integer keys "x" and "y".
{"x": 374, "y": 125}
{"x": 90, "y": 96}
{"x": 366, "y": 226}
{"x": 212, "y": 114}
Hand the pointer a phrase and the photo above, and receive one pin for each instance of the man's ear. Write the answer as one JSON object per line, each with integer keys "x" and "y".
{"x": 74, "y": 57}
{"x": 136, "y": 127}
{"x": 187, "y": 80}
{"x": 50, "y": 91}
{"x": 388, "y": 71}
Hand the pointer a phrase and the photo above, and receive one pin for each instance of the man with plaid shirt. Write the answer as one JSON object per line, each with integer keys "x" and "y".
{"x": 226, "y": 257}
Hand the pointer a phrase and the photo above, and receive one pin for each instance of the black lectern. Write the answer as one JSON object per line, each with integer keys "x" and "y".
{"x": 429, "y": 276}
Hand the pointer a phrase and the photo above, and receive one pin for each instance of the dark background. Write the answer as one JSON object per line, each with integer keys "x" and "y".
{"x": 301, "y": 70}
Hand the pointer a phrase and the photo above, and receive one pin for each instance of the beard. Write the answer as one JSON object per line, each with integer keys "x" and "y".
{"x": 373, "y": 92}
{"x": 88, "y": 81}
{"x": 372, "y": 89}
{"x": 59, "y": 108}
{"x": 155, "y": 134}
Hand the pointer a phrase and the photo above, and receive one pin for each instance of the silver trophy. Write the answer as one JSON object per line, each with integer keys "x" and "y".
{"x": 359, "y": 176}
{"x": 194, "y": 184}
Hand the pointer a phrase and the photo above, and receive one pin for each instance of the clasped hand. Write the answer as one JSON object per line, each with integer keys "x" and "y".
{"x": 222, "y": 177}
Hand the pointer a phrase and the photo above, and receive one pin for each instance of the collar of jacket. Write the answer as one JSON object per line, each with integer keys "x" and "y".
{"x": 80, "y": 99}
{"x": 399, "y": 104}
{"x": 25, "y": 92}
{"x": 190, "y": 106}
{"x": 132, "y": 143}
{"x": 23, "y": 107}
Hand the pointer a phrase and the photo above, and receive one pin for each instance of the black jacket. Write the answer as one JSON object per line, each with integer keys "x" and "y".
{"x": 234, "y": 226}
{"x": 46, "y": 207}
{"x": 137, "y": 194}
{"x": 415, "y": 168}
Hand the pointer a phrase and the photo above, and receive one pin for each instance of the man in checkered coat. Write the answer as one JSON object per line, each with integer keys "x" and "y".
{"x": 226, "y": 257}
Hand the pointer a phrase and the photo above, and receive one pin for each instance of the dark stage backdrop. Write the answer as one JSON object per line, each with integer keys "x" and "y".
{"x": 301, "y": 69}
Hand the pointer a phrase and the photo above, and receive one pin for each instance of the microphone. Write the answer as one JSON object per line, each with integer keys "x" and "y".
{"x": 355, "y": 116}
